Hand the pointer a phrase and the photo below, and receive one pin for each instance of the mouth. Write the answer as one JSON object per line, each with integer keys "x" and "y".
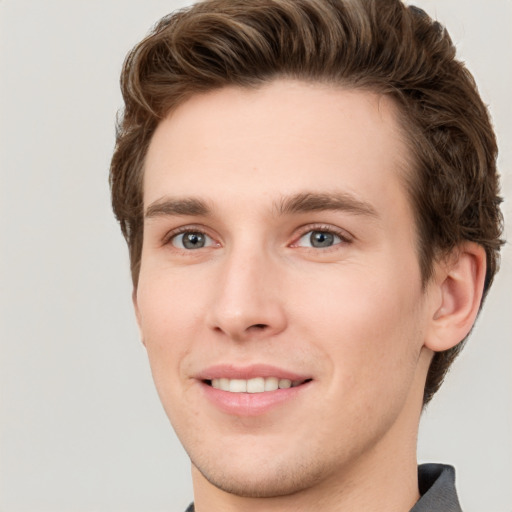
{"x": 254, "y": 385}
{"x": 252, "y": 390}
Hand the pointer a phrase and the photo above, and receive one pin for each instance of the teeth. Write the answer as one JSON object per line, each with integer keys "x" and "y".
{"x": 237, "y": 386}
{"x": 256, "y": 385}
{"x": 285, "y": 383}
{"x": 271, "y": 384}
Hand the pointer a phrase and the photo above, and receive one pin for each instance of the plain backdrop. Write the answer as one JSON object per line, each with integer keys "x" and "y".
{"x": 81, "y": 427}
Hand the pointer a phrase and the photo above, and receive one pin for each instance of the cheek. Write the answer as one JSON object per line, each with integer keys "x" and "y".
{"x": 167, "y": 304}
{"x": 368, "y": 323}
{"x": 168, "y": 314}
{"x": 372, "y": 349}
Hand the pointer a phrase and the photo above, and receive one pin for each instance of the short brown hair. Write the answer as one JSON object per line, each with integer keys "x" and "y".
{"x": 380, "y": 45}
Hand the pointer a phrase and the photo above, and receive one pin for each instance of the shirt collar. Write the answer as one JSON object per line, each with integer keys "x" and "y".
{"x": 437, "y": 488}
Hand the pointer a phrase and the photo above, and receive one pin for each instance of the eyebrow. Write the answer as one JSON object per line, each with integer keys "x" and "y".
{"x": 298, "y": 203}
{"x": 171, "y": 206}
{"x": 311, "y": 202}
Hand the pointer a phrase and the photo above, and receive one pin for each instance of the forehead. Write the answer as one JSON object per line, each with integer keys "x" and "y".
{"x": 283, "y": 138}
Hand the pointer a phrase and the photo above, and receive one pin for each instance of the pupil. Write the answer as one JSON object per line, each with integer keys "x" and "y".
{"x": 321, "y": 239}
{"x": 193, "y": 240}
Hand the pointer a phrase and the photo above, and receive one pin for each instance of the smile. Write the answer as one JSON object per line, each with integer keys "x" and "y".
{"x": 251, "y": 390}
{"x": 254, "y": 385}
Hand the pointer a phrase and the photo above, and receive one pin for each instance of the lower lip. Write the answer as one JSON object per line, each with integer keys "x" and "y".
{"x": 251, "y": 404}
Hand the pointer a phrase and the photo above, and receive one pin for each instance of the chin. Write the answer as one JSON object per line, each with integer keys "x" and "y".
{"x": 267, "y": 479}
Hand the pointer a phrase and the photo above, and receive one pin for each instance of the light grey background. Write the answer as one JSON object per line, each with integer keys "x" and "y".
{"x": 81, "y": 427}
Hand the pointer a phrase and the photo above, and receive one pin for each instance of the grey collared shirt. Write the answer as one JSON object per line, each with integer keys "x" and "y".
{"x": 437, "y": 488}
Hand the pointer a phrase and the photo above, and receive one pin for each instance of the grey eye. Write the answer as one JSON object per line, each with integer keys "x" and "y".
{"x": 319, "y": 239}
{"x": 191, "y": 240}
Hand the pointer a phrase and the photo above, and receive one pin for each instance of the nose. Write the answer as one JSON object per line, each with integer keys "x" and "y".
{"x": 248, "y": 302}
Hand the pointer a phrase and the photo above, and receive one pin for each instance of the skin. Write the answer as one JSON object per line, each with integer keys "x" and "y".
{"x": 352, "y": 316}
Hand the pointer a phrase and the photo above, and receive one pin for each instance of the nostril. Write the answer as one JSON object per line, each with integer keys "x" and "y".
{"x": 259, "y": 326}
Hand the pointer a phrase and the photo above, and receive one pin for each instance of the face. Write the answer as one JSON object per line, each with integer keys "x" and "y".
{"x": 280, "y": 296}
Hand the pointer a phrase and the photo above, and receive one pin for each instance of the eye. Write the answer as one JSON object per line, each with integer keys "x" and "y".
{"x": 190, "y": 240}
{"x": 319, "y": 239}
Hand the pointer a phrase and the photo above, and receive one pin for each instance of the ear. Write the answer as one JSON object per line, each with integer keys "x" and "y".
{"x": 458, "y": 282}
{"x": 137, "y": 314}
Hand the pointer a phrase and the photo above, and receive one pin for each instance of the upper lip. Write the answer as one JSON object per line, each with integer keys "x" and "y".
{"x": 232, "y": 371}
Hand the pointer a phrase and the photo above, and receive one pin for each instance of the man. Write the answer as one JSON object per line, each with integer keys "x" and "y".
{"x": 309, "y": 193}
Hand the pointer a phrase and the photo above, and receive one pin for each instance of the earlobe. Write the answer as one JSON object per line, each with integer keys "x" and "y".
{"x": 459, "y": 286}
{"x": 137, "y": 314}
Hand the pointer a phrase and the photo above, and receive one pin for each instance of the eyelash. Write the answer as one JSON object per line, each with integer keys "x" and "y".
{"x": 184, "y": 229}
{"x": 343, "y": 235}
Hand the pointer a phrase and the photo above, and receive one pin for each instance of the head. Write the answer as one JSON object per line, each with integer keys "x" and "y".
{"x": 335, "y": 166}
{"x": 382, "y": 47}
